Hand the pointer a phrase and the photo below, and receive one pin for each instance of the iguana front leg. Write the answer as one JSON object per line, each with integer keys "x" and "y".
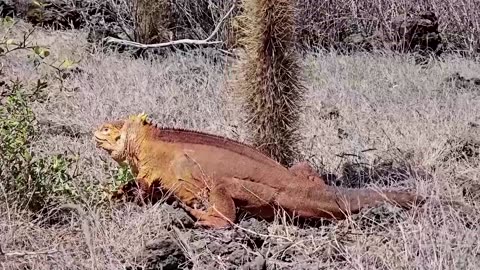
{"x": 138, "y": 189}
{"x": 125, "y": 190}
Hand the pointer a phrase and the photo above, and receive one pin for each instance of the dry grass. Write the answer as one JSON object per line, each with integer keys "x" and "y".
{"x": 353, "y": 103}
{"x": 328, "y": 23}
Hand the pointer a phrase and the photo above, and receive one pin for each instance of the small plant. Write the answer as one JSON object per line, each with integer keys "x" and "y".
{"x": 38, "y": 54}
{"x": 8, "y": 45}
{"x": 121, "y": 176}
{"x": 31, "y": 181}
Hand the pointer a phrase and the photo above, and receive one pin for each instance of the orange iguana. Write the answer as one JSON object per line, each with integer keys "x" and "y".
{"x": 212, "y": 175}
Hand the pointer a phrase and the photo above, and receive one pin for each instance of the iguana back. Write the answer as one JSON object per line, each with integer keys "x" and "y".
{"x": 220, "y": 156}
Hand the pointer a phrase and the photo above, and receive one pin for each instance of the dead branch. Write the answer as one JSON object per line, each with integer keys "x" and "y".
{"x": 199, "y": 42}
{"x": 26, "y": 253}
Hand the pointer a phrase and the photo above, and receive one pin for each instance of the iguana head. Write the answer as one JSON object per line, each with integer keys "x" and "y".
{"x": 112, "y": 136}
{"x": 108, "y": 137}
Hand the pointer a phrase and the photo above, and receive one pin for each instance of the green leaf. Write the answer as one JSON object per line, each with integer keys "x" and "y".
{"x": 8, "y": 20}
{"x": 67, "y": 63}
{"x": 42, "y": 52}
{"x": 37, "y": 50}
{"x": 38, "y": 4}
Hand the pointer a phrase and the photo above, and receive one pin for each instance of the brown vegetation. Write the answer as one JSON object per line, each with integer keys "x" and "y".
{"x": 330, "y": 23}
{"x": 326, "y": 24}
{"x": 153, "y": 21}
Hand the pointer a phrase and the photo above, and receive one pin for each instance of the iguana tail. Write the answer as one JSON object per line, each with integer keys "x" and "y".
{"x": 336, "y": 202}
{"x": 353, "y": 200}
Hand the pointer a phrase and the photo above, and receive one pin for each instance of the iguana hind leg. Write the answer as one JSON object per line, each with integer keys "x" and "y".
{"x": 221, "y": 210}
{"x": 230, "y": 193}
{"x": 305, "y": 171}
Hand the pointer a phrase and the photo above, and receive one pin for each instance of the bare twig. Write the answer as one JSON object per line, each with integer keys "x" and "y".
{"x": 200, "y": 42}
{"x": 26, "y": 253}
{"x": 85, "y": 228}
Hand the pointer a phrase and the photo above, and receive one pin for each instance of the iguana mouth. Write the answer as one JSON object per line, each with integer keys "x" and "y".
{"x": 99, "y": 141}
{"x": 104, "y": 143}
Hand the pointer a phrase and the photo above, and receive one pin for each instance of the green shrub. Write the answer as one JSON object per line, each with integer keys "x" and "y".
{"x": 123, "y": 175}
{"x": 29, "y": 180}
{"x": 119, "y": 175}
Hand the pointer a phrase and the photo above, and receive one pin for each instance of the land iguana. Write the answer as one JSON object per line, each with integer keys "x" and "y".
{"x": 212, "y": 175}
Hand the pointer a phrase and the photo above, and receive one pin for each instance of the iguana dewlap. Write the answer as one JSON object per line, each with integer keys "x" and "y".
{"x": 220, "y": 174}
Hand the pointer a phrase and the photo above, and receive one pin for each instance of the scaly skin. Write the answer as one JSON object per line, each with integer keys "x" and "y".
{"x": 217, "y": 174}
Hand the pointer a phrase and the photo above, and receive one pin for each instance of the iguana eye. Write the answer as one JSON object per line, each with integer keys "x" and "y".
{"x": 105, "y": 130}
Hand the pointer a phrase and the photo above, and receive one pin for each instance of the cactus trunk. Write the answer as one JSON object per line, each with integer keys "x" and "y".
{"x": 269, "y": 79}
